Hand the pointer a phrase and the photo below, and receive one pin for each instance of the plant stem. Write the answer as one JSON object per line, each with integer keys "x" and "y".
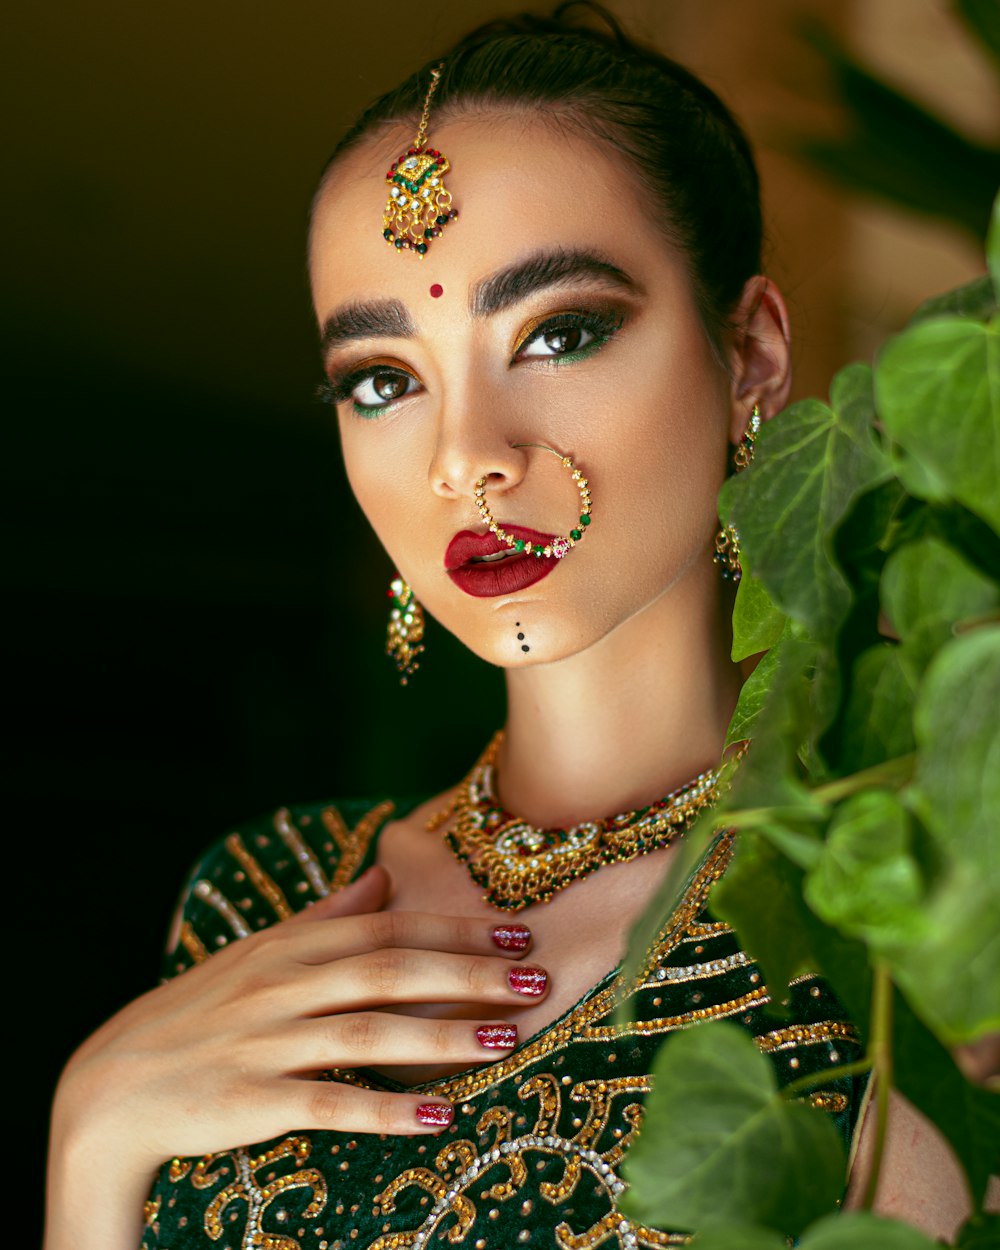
{"x": 895, "y": 773}
{"x": 891, "y": 772}
{"x": 881, "y": 1052}
{"x": 802, "y": 1083}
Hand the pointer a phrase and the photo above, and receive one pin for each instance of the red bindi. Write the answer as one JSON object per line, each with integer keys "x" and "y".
{"x": 437, "y": 290}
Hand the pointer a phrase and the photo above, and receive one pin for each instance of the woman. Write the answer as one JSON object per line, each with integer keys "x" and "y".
{"x": 538, "y": 400}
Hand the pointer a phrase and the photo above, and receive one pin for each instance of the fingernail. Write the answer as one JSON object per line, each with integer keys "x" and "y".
{"x": 530, "y": 981}
{"x": 512, "y": 937}
{"x": 497, "y": 1036}
{"x": 438, "y": 1114}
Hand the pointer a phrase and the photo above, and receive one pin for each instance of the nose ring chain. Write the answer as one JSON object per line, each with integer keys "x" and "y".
{"x": 556, "y": 547}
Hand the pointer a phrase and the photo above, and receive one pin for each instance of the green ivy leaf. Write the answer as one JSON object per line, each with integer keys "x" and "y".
{"x": 937, "y": 385}
{"x": 777, "y": 713}
{"x": 740, "y": 1237}
{"x": 976, "y": 300}
{"x": 801, "y": 844}
{"x": 715, "y": 1110}
{"x": 956, "y": 787}
{"x": 950, "y": 975}
{"x": 866, "y": 882}
{"x": 760, "y": 895}
{"x": 753, "y": 698}
{"x": 927, "y": 588}
{"x": 812, "y": 462}
{"x": 860, "y": 1230}
{"x": 757, "y": 622}
{"x": 878, "y": 718}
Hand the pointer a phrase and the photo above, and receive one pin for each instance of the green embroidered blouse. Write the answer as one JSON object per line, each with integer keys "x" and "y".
{"x": 533, "y": 1156}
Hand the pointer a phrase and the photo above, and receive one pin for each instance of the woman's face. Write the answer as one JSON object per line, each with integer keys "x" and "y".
{"x": 552, "y": 311}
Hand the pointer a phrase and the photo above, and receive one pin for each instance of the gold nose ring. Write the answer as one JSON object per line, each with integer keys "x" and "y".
{"x": 556, "y": 547}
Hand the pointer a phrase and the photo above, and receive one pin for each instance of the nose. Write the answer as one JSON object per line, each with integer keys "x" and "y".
{"x": 469, "y": 448}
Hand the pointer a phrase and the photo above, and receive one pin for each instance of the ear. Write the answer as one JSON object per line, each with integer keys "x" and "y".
{"x": 759, "y": 360}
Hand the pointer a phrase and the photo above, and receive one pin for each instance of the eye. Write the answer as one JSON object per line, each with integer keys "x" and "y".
{"x": 381, "y": 387}
{"x": 566, "y": 336}
{"x": 557, "y": 341}
{"x": 371, "y": 390}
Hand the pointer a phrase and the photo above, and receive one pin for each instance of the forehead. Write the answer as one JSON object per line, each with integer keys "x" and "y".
{"x": 520, "y": 186}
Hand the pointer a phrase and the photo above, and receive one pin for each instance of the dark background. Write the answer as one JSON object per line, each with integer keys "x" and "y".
{"x": 195, "y": 605}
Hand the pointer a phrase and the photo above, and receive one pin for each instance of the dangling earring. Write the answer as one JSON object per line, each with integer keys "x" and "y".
{"x": 404, "y": 639}
{"x": 727, "y": 540}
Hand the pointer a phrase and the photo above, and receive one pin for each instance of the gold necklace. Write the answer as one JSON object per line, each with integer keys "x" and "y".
{"x": 518, "y": 864}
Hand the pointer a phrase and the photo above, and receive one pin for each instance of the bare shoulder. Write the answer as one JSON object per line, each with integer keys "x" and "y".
{"x": 921, "y": 1180}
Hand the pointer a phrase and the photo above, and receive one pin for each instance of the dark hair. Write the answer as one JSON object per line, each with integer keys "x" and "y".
{"x": 681, "y": 141}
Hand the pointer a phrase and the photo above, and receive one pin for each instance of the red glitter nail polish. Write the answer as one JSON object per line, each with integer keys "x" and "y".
{"x": 529, "y": 981}
{"x": 497, "y": 1036}
{"x": 437, "y": 1114}
{"x": 512, "y": 937}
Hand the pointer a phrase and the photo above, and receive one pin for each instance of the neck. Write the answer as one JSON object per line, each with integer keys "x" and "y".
{"x": 632, "y": 717}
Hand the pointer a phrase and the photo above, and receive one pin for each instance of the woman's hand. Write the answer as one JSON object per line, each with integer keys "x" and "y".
{"x": 230, "y": 1051}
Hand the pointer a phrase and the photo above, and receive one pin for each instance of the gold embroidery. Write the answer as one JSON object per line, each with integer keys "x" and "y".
{"x": 192, "y": 943}
{"x": 265, "y": 885}
{"x": 259, "y": 1197}
{"x": 178, "y": 1169}
{"x": 665, "y": 1024}
{"x": 447, "y": 1200}
{"x": 297, "y": 845}
{"x": 828, "y": 1100}
{"x": 709, "y": 929}
{"x": 470, "y": 1179}
{"x": 151, "y": 1210}
{"x": 207, "y": 892}
{"x": 353, "y": 845}
{"x": 203, "y": 1178}
{"x": 806, "y": 1035}
{"x": 697, "y": 972}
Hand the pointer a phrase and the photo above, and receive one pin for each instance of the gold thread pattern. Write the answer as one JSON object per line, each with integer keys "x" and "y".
{"x": 207, "y": 892}
{"x": 293, "y": 839}
{"x": 806, "y": 1035}
{"x": 258, "y": 1197}
{"x": 264, "y": 884}
{"x": 534, "y": 1152}
{"x": 192, "y": 943}
{"x": 353, "y": 846}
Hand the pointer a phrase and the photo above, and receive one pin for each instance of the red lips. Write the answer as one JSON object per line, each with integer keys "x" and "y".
{"x": 503, "y": 577}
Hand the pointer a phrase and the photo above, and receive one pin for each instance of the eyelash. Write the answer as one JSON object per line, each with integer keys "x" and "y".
{"x": 602, "y": 324}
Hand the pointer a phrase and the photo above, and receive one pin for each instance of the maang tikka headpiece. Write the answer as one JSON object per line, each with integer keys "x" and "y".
{"x": 419, "y": 204}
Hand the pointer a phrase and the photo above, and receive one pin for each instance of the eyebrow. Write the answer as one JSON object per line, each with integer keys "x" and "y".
{"x": 508, "y": 286}
{"x": 546, "y": 268}
{"x": 384, "y": 318}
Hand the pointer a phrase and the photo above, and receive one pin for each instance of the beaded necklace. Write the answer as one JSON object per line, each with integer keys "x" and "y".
{"x": 519, "y": 865}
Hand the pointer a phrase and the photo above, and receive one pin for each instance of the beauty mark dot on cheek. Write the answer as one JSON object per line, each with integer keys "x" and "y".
{"x": 437, "y": 290}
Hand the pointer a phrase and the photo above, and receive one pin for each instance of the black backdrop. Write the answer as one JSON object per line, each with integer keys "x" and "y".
{"x": 194, "y": 605}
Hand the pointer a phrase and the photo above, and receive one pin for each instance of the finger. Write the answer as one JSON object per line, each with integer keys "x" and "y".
{"x": 385, "y": 930}
{"x": 384, "y": 977}
{"x": 364, "y": 1038}
{"x": 330, "y": 1105}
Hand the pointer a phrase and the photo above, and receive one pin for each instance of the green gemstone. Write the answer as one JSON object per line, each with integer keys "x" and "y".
{"x": 519, "y": 545}
{"x": 575, "y": 535}
{"x": 585, "y": 519}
